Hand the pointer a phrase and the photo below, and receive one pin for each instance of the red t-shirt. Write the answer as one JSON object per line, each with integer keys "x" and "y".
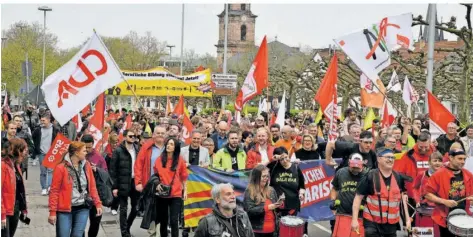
{"x": 268, "y": 224}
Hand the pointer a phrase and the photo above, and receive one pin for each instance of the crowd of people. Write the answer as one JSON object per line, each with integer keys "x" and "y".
{"x": 147, "y": 162}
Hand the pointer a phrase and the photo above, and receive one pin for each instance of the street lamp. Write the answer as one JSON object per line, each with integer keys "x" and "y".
{"x": 170, "y": 50}
{"x": 44, "y": 9}
{"x": 4, "y": 40}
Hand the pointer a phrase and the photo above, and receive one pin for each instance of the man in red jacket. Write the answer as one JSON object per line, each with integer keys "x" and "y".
{"x": 450, "y": 188}
{"x": 147, "y": 156}
{"x": 414, "y": 162}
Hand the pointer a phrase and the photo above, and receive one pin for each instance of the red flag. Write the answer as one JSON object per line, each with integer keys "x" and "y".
{"x": 77, "y": 120}
{"x": 389, "y": 114}
{"x": 179, "y": 109}
{"x": 168, "y": 105}
{"x": 97, "y": 121}
{"x": 128, "y": 122}
{"x": 273, "y": 119}
{"x": 439, "y": 116}
{"x": 56, "y": 151}
{"x": 85, "y": 110}
{"x": 200, "y": 68}
{"x": 257, "y": 78}
{"x": 187, "y": 129}
{"x": 327, "y": 96}
{"x": 5, "y": 103}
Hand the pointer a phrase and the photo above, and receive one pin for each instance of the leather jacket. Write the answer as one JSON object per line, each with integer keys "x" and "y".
{"x": 147, "y": 203}
{"x": 213, "y": 225}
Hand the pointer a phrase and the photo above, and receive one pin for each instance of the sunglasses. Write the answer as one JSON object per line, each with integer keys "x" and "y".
{"x": 132, "y": 136}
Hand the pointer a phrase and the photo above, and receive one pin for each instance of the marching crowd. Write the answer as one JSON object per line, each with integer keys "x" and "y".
{"x": 386, "y": 174}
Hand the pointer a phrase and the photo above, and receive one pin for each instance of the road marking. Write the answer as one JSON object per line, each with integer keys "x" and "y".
{"x": 323, "y": 228}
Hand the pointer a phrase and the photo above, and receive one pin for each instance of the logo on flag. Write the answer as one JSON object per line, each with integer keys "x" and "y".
{"x": 90, "y": 72}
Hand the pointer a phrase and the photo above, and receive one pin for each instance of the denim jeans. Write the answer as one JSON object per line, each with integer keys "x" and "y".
{"x": 72, "y": 224}
{"x": 46, "y": 175}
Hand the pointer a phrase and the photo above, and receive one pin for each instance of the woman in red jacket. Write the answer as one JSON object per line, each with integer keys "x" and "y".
{"x": 13, "y": 189}
{"x": 73, "y": 192}
{"x": 172, "y": 171}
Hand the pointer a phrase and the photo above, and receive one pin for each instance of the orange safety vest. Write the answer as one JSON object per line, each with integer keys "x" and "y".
{"x": 383, "y": 206}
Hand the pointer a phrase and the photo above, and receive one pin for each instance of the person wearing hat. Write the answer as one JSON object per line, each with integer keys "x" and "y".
{"x": 344, "y": 188}
{"x": 450, "y": 188}
{"x": 384, "y": 190}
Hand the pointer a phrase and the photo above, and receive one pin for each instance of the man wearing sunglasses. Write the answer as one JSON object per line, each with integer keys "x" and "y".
{"x": 123, "y": 177}
{"x": 384, "y": 190}
{"x": 345, "y": 149}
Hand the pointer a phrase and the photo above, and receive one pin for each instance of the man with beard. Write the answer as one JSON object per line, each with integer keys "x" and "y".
{"x": 226, "y": 219}
{"x": 344, "y": 187}
{"x": 195, "y": 154}
{"x": 288, "y": 140}
{"x": 175, "y": 132}
{"x": 123, "y": 177}
{"x": 230, "y": 157}
{"x": 262, "y": 152}
{"x": 414, "y": 162}
{"x": 275, "y": 130}
{"x": 448, "y": 188}
{"x": 259, "y": 122}
{"x": 314, "y": 132}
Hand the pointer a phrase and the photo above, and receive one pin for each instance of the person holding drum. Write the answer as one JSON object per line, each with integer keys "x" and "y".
{"x": 343, "y": 192}
{"x": 260, "y": 202}
{"x": 450, "y": 188}
{"x": 384, "y": 189}
{"x": 287, "y": 178}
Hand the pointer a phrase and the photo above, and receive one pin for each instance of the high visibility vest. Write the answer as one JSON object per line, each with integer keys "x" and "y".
{"x": 383, "y": 206}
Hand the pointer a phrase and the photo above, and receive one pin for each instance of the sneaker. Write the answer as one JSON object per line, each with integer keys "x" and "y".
{"x": 35, "y": 162}
{"x": 114, "y": 212}
{"x": 44, "y": 192}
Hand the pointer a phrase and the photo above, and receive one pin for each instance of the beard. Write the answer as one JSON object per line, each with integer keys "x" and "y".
{"x": 228, "y": 205}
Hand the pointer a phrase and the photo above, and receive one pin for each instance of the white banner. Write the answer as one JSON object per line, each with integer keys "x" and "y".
{"x": 90, "y": 72}
{"x": 370, "y": 48}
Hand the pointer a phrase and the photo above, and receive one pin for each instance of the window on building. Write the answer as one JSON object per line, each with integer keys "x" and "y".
{"x": 243, "y": 7}
{"x": 243, "y": 33}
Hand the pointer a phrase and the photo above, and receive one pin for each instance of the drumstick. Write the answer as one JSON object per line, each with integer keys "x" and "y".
{"x": 357, "y": 231}
{"x": 461, "y": 200}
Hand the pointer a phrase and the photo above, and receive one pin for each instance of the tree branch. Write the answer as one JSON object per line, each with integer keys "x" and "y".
{"x": 468, "y": 15}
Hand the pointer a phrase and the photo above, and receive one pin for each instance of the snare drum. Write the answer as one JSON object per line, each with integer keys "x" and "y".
{"x": 424, "y": 219}
{"x": 343, "y": 227}
{"x": 460, "y": 224}
{"x": 291, "y": 226}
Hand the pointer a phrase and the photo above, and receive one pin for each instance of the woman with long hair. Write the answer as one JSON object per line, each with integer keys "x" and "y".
{"x": 172, "y": 171}
{"x": 260, "y": 203}
{"x": 13, "y": 189}
{"x": 73, "y": 193}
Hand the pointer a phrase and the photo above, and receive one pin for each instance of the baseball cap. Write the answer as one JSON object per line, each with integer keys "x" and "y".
{"x": 356, "y": 161}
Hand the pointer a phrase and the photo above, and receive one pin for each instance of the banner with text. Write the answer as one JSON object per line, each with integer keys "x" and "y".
{"x": 56, "y": 152}
{"x": 315, "y": 207}
{"x": 161, "y": 82}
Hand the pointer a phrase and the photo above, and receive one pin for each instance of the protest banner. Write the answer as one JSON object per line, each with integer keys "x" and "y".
{"x": 315, "y": 207}
{"x": 161, "y": 82}
{"x": 58, "y": 148}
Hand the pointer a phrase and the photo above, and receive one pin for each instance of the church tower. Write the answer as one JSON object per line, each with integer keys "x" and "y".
{"x": 241, "y": 31}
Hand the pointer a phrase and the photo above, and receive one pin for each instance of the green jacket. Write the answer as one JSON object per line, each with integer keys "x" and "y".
{"x": 223, "y": 161}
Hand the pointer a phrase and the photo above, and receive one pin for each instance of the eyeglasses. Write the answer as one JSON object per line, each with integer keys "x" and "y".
{"x": 264, "y": 176}
{"x": 389, "y": 157}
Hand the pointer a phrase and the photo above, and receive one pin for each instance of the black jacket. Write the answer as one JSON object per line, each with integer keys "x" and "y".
{"x": 444, "y": 143}
{"x": 147, "y": 202}
{"x": 37, "y": 139}
{"x": 256, "y": 212}
{"x": 213, "y": 224}
{"x": 104, "y": 184}
{"x": 120, "y": 169}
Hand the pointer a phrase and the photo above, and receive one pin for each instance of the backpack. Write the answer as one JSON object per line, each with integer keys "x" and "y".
{"x": 104, "y": 187}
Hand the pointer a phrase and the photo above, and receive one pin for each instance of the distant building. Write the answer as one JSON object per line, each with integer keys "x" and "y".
{"x": 241, "y": 31}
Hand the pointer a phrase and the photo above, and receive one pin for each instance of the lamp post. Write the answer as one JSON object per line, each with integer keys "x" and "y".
{"x": 44, "y": 9}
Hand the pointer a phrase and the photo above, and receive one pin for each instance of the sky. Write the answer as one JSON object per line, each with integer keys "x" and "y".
{"x": 315, "y": 25}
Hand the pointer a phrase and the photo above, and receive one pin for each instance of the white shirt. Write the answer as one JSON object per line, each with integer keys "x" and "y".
{"x": 133, "y": 159}
{"x": 264, "y": 154}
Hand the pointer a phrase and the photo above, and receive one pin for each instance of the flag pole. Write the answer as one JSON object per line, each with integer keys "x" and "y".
{"x": 116, "y": 65}
{"x": 267, "y": 107}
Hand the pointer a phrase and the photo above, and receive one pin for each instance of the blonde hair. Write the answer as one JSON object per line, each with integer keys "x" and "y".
{"x": 456, "y": 146}
{"x": 266, "y": 130}
{"x": 312, "y": 139}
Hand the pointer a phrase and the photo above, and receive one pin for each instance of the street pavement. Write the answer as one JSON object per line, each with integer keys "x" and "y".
{"x": 39, "y": 226}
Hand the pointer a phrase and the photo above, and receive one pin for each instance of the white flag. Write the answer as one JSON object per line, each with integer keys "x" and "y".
{"x": 407, "y": 92}
{"x": 394, "y": 84}
{"x": 90, "y": 72}
{"x": 367, "y": 84}
{"x": 281, "y": 111}
{"x": 370, "y": 48}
